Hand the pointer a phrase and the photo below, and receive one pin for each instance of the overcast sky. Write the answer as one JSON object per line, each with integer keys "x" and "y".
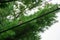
{"x": 53, "y": 33}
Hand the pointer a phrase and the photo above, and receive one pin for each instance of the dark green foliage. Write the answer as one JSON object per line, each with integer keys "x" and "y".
{"x": 30, "y": 30}
{"x": 31, "y": 3}
{"x": 5, "y": 1}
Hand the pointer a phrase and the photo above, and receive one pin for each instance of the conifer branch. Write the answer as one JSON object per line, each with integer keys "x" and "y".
{"x": 31, "y": 20}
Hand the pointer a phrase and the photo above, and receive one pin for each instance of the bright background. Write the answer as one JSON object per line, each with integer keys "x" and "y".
{"x": 53, "y": 33}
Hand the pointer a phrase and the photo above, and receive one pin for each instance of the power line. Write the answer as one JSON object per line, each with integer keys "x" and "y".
{"x": 31, "y": 20}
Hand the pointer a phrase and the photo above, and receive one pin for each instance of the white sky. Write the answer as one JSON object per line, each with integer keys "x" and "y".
{"x": 53, "y": 33}
{"x": 54, "y": 1}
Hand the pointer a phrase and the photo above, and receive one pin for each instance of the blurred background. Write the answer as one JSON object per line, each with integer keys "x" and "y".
{"x": 53, "y": 33}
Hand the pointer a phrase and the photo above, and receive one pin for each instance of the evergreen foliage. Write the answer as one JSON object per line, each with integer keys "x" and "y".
{"x": 9, "y": 17}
